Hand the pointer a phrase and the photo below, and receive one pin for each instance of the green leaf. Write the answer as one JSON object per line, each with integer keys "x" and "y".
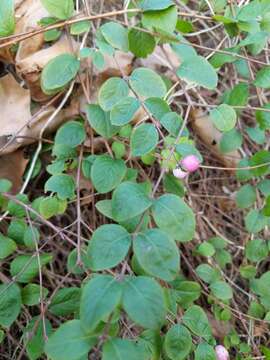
{"x": 141, "y": 44}
{"x": 16, "y": 209}
{"x": 7, "y": 17}
{"x": 58, "y": 72}
{"x": 173, "y": 185}
{"x": 256, "y": 134}
{"x": 26, "y": 267}
{"x": 264, "y": 187}
{"x": 261, "y": 157}
{"x": 49, "y": 207}
{"x": 5, "y": 185}
{"x": 263, "y": 78}
{"x": 80, "y": 27}
{"x": 245, "y": 174}
{"x": 184, "y": 50}
{"x": 31, "y": 294}
{"x": 66, "y": 301}
{"x": 263, "y": 117}
{"x": 248, "y": 271}
{"x": 108, "y": 246}
{"x": 146, "y": 83}
{"x": 124, "y": 110}
{"x": 69, "y": 341}
{"x": 105, "y": 208}
{"x": 116, "y": 35}
{"x": 223, "y": 117}
{"x": 129, "y": 200}
{"x": 157, "y": 107}
{"x": 207, "y": 273}
{"x": 10, "y": 303}
{"x": 143, "y": 300}
{"x": 221, "y": 290}
{"x": 255, "y": 221}
{"x": 246, "y": 196}
{"x": 187, "y": 292}
{"x": 196, "y": 320}
{"x": 7, "y": 246}
{"x": 61, "y": 9}
{"x": 71, "y": 134}
{"x": 100, "y": 121}
{"x": 197, "y": 69}
{"x": 63, "y": 185}
{"x": 52, "y": 35}
{"x": 250, "y": 11}
{"x": 219, "y": 59}
{"x": 144, "y": 139}
{"x": 157, "y": 254}
{"x": 147, "y": 5}
{"x": 98, "y": 60}
{"x": 33, "y": 337}
{"x": 238, "y": 96}
{"x": 266, "y": 208}
{"x": 122, "y": 349}
{"x": 256, "y": 250}
{"x": 184, "y": 26}
{"x": 31, "y": 237}
{"x": 231, "y": 140}
{"x": 164, "y": 20}
{"x": 16, "y": 230}
{"x": 100, "y": 296}
{"x": 256, "y": 310}
{"x": 112, "y": 91}
{"x": 172, "y": 122}
{"x": 107, "y": 173}
{"x": 205, "y": 249}
{"x": 172, "y": 215}
{"x": 205, "y": 352}
{"x": 178, "y": 342}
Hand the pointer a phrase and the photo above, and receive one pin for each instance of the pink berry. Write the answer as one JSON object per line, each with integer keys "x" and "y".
{"x": 222, "y": 353}
{"x": 179, "y": 173}
{"x": 190, "y": 163}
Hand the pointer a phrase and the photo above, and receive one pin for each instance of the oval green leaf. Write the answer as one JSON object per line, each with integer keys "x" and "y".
{"x": 157, "y": 254}
{"x": 108, "y": 246}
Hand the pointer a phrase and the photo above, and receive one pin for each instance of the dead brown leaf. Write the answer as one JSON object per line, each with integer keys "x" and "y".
{"x": 17, "y": 120}
{"x": 12, "y": 167}
{"x": 27, "y": 13}
{"x": 219, "y": 328}
{"x": 30, "y": 65}
{"x": 204, "y": 128}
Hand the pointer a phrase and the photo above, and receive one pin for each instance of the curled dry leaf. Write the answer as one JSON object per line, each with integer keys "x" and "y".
{"x": 27, "y": 13}
{"x": 12, "y": 168}
{"x": 31, "y": 65}
{"x": 16, "y": 117}
{"x": 210, "y": 136}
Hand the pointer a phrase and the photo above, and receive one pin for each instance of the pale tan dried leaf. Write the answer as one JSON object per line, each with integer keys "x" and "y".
{"x": 36, "y": 61}
{"x": 15, "y": 106}
{"x": 27, "y": 13}
{"x": 12, "y": 168}
{"x": 30, "y": 67}
{"x": 16, "y": 117}
{"x": 115, "y": 66}
{"x": 210, "y": 136}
